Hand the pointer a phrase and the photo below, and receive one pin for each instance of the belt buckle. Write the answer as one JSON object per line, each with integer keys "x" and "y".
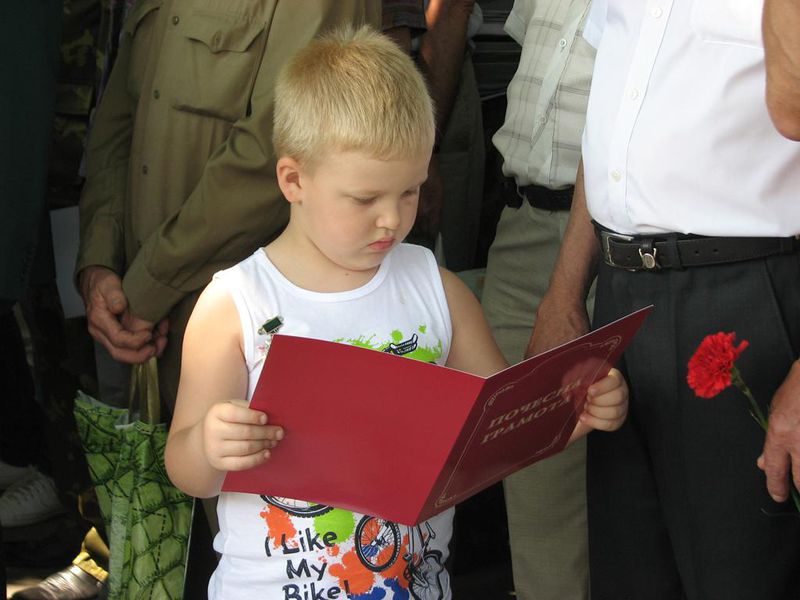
{"x": 649, "y": 262}
{"x": 605, "y": 238}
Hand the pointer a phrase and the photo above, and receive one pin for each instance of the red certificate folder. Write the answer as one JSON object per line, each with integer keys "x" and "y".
{"x": 402, "y": 439}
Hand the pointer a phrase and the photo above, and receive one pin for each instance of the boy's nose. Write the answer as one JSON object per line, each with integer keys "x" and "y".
{"x": 389, "y": 217}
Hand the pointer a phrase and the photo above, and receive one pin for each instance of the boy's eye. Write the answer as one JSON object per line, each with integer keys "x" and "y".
{"x": 364, "y": 200}
{"x": 409, "y": 193}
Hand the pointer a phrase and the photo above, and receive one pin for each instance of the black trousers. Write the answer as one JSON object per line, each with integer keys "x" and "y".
{"x": 20, "y": 416}
{"x": 677, "y": 506}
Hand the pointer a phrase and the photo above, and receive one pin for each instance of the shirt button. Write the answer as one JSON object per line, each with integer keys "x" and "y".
{"x": 562, "y": 43}
{"x": 176, "y": 20}
{"x": 656, "y": 12}
{"x": 156, "y": 94}
{"x": 616, "y": 175}
{"x": 541, "y": 119}
{"x": 633, "y": 94}
{"x": 144, "y": 169}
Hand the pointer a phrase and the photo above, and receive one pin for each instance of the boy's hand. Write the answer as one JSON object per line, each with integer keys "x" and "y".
{"x": 236, "y": 437}
{"x": 606, "y": 405}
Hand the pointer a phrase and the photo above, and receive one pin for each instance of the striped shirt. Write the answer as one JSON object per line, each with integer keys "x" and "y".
{"x": 540, "y": 140}
{"x": 403, "y": 13}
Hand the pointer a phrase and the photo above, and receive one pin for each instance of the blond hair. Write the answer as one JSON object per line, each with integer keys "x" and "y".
{"x": 352, "y": 90}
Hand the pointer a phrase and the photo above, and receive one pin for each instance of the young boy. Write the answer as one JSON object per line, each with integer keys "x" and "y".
{"x": 353, "y": 132}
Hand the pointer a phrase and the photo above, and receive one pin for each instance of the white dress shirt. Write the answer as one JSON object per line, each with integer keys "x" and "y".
{"x": 678, "y": 138}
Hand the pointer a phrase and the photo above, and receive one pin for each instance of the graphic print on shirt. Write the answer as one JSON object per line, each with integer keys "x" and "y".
{"x": 335, "y": 553}
{"x": 298, "y": 508}
{"x": 400, "y": 345}
{"x": 367, "y": 556}
{"x": 378, "y": 545}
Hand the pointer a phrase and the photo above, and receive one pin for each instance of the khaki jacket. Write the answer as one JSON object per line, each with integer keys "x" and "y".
{"x": 180, "y": 168}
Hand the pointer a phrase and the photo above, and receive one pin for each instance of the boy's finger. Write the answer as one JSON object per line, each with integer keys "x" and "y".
{"x": 612, "y": 398}
{"x": 610, "y": 382}
{"x": 274, "y": 432}
{"x": 243, "y": 431}
{"x": 241, "y": 448}
{"x": 607, "y": 413}
{"x": 240, "y": 463}
{"x": 238, "y": 411}
{"x": 598, "y": 424}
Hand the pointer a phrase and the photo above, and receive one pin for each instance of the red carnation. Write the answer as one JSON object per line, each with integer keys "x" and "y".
{"x": 711, "y": 367}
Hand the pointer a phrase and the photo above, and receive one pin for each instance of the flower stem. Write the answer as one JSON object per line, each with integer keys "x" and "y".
{"x": 755, "y": 409}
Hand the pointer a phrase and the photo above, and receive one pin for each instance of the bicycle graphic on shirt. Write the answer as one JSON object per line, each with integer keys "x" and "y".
{"x": 298, "y": 508}
{"x": 378, "y": 545}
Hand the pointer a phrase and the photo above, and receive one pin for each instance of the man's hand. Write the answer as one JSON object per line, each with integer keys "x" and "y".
{"x": 158, "y": 330}
{"x": 127, "y": 339}
{"x": 556, "y": 324}
{"x": 781, "y": 455}
{"x": 431, "y": 199}
{"x": 236, "y": 437}
{"x": 561, "y": 316}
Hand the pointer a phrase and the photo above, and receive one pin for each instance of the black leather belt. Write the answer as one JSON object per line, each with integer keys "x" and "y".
{"x": 537, "y": 196}
{"x": 646, "y": 253}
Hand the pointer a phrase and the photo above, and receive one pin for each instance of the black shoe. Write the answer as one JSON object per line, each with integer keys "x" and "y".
{"x": 72, "y": 583}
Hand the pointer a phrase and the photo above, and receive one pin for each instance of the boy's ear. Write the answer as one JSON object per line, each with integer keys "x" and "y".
{"x": 290, "y": 179}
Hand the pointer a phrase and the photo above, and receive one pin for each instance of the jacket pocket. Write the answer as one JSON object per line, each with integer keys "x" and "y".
{"x": 220, "y": 55}
{"x": 728, "y": 21}
{"x": 137, "y": 31}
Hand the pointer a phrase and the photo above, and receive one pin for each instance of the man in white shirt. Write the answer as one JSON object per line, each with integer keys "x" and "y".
{"x": 540, "y": 146}
{"x": 695, "y": 198}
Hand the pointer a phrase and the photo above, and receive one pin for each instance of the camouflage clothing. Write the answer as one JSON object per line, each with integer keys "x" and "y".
{"x": 91, "y": 31}
{"x": 75, "y": 92}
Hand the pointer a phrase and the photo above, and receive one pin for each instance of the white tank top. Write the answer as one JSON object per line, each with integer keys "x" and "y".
{"x": 278, "y": 548}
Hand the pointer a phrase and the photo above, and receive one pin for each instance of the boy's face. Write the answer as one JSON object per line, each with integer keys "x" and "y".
{"x": 355, "y": 208}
